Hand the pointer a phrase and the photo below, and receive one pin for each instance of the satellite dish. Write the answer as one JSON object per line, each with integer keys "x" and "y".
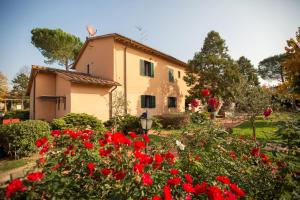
{"x": 90, "y": 29}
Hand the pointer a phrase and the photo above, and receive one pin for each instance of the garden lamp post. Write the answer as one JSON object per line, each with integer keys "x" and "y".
{"x": 146, "y": 122}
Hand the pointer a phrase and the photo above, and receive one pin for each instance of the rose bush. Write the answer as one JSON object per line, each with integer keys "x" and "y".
{"x": 114, "y": 166}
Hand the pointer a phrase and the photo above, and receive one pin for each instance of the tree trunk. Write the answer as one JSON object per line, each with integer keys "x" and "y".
{"x": 281, "y": 74}
{"x": 67, "y": 65}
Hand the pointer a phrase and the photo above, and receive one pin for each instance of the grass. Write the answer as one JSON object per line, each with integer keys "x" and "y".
{"x": 265, "y": 128}
{"x": 7, "y": 165}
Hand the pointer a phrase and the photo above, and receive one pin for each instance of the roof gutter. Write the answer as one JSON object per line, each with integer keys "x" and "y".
{"x": 125, "y": 80}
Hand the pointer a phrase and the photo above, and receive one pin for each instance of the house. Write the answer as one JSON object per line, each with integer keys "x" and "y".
{"x": 109, "y": 68}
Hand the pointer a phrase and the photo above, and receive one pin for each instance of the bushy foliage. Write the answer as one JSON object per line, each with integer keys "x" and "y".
{"x": 124, "y": 123}
{"x": 174, "y": 120}
{"x": 18, "y": 139}
{"x": 199, "y": 117}
{"x": 78, "y": 121}
{"x": 20, "y": 114}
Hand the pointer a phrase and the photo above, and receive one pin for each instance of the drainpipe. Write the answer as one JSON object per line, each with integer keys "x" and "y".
{"x": 34, "y": 94}
{"x": 125, "y": 80}
{"x": 110, "y": 101}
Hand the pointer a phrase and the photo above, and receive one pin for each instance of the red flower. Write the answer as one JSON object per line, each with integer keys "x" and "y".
{"x": 233, "y": 155}
{"x": 105, "y": 171}
{"x": 35, "y": 176}
{"x": 197, "y": 157}
{"x": 73, "y": 134}
{"x": 119, "y": 175}
{"x": 56, "y": 166}
{"x": 119, "y": 138}
{"x": 199, "y": 189}
{"x": 88, "y": 145}
{"x": 41, "y": 161}
{"x": 156, "y": 197}
{"x": 45, "y": 148}
{"x": 170, "y": 158}
{"x": 205, "y": 92}
{"x": 188, "y": 187}
{"x": 158, "y": 158}
{"x": 139, "y": 145}
{"x": 91, "y": 167}
{"x": 139, "y": 168}
{"x": 214, "y": 193}
{"x": 264, "y": 158}
{"x": 188, "y": 178}
{"x": 167, "y": 192}
{"x": 55, "y": 132}
{"x": 85, "y": 136}
{"x": 223, "y": 179}
{"x": 238, "y": 191}
{"x": 104, "y": 152}
{"x": 40, "y": 142}
{"x": 146, "y": 138}
{"x": 195, "y": 103}
{"x": 147, "y": 180}
{"x": 132, "y": 134}
{"x": 102, "y": 143}
{"x": 255, "y": 152}
{"x": 14, "y": 186}
{"x": 229, "y": 195}
{"x": 174, "y": 181}
{"x": 144, "y": 158}
{"x": 174, "y": 171}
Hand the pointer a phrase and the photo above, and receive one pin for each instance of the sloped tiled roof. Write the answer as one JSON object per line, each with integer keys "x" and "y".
{"x": 74, "y": 77}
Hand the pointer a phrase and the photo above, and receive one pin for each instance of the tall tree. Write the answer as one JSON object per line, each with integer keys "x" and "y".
{"x": 56, "y": 45}
{"x": 212, "y": 67}
{"x": 271, "y": 68}
{"x": 3, "y": 85}
{"x": 292, "y": 64}
{"x": 248, "y": 70}
{"x": 20, "y": 83}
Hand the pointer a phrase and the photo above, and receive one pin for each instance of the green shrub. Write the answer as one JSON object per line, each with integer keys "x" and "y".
{"x": 199, "y": 117}
{"x": 125, "y": 123}
{"x": 174, "y": 120}
{"x": 19, "y": 138}
{"x": 77, "y": 121}
{"x": 20, "y": 114}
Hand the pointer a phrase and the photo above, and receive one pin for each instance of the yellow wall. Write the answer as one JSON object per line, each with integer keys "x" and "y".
{"x": 158, "y": 86}
{"x": 93, "y": 100}
{"x": 63, "y": 88}
{"x": 45, "y": 86}
{"x": 99, "y": 55}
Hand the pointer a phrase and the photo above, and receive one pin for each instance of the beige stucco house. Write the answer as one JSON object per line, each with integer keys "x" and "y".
{"x": 110, "y": 66}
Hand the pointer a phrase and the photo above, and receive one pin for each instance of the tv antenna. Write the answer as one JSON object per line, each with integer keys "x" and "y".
{"x": 91, "y": 31}
{"x": 142, "y": 33}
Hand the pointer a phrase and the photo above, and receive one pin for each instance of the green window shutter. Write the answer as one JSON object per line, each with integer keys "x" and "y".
{"x": 152, "y": 70}
{"x": 142, "y": 68}
{"x": 143, "y": 101}
{"x": 175, "y": 102}
{"x": 152, "y": 105}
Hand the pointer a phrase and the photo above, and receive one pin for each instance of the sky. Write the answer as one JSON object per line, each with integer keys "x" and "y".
{"x": 253, "y": 28}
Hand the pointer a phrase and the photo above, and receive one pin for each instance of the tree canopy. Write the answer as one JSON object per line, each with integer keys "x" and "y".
{"x": 20, "y": 83}
{"x": 248, "y": 70}
{"x": 56, "y": 45}
{"x": 213, "y": 68}
{"x": 271, "y": 68}
{"x": 3, "y": 85}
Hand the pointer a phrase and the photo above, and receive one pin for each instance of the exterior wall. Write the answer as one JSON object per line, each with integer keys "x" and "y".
{"x": 31, "y": 100}
{"x": 63, "y": 88}
{"x": 99, "y": 55}
{"x": 158, "y": 86}
{"x": 45, "y": 86}
{"x": 93, "y": 100}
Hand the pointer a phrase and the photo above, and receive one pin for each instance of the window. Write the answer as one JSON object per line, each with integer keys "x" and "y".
{"x": 147, "y": 101}
{"x": 171, "y": 75}
{"x": 172, "y": 103}
{"x": 178, "y": 74}
{"x": 146, "y": 68}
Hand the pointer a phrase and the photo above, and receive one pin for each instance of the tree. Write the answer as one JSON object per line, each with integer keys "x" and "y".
{"x": 20, "y": 83}
{"x": 292, "y": 64}
{"x": 248, "y": 70}
{"x": 271, "y": 68}
{"x": 56, "y": 45}
{"x": 3, "y": 85}
{"x": 212, "y": 67}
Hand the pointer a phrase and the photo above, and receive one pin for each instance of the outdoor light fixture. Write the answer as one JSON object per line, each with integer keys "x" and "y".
{"x": 146, "y": 121}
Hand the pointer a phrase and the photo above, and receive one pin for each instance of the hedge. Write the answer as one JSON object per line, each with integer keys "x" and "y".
{"x": 20, "y": 114}
{"x": 18, "y": 139}
{"x": 174, "y": 120}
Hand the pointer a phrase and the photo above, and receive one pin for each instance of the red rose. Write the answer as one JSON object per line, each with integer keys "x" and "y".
{"x": 91, "y": 167}
{"x": 56, "y": 166}
{"x": 146, "y": 138}
{"x": 55, "y": 132}
{"x": 45, "y": 148}
{"x": 139, "y": 145}
{"x": 174, "y": 171}
{"x": 35, "y": 176}
{"x": 197, "y": 157}
{"x": 104, "y": 152}
{"x": 233, "y": 155}
{"x": 119, "y": 175}
{"x": 139, "y": 168}
{"x": 238, "y": 191}
{"x": 132, "y": 134}
{"x": 14, "y": 186}
{"x": 264, "y": 158}
{"x": 158, "y": 158}
{"x": 188, "y": 187}
{"x": 174, "y": 181}
{"x": 146, "y": 178}
{"x": 105, "y": 171}
{"x": 205, "y": 92}
{"x": 40, "y": 142}
{"x": 199, "y": 189}
{"x": 88, "y": 145}
{"x": 223, "y": 179}
{"x": 195, "y": 103}
{"x": 214, "y": 193}
{"x": 167, "y": 192}
{"x": 156, "y": 197}
{"x": 255, "y": 152}
{"x": 188, "y": 178}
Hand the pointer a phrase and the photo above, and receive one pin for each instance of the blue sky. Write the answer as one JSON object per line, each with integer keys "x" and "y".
{"x": 253, "y": 28}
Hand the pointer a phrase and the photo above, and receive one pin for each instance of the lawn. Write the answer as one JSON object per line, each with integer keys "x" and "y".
{"x": 265, "y": 128}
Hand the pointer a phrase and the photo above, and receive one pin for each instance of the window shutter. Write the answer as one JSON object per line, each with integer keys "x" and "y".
{"x": 152, "y": 102}
{"x": 142, "y": 68}
{"x": 152, "y": 70}
{"x": 143, "y": 101}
